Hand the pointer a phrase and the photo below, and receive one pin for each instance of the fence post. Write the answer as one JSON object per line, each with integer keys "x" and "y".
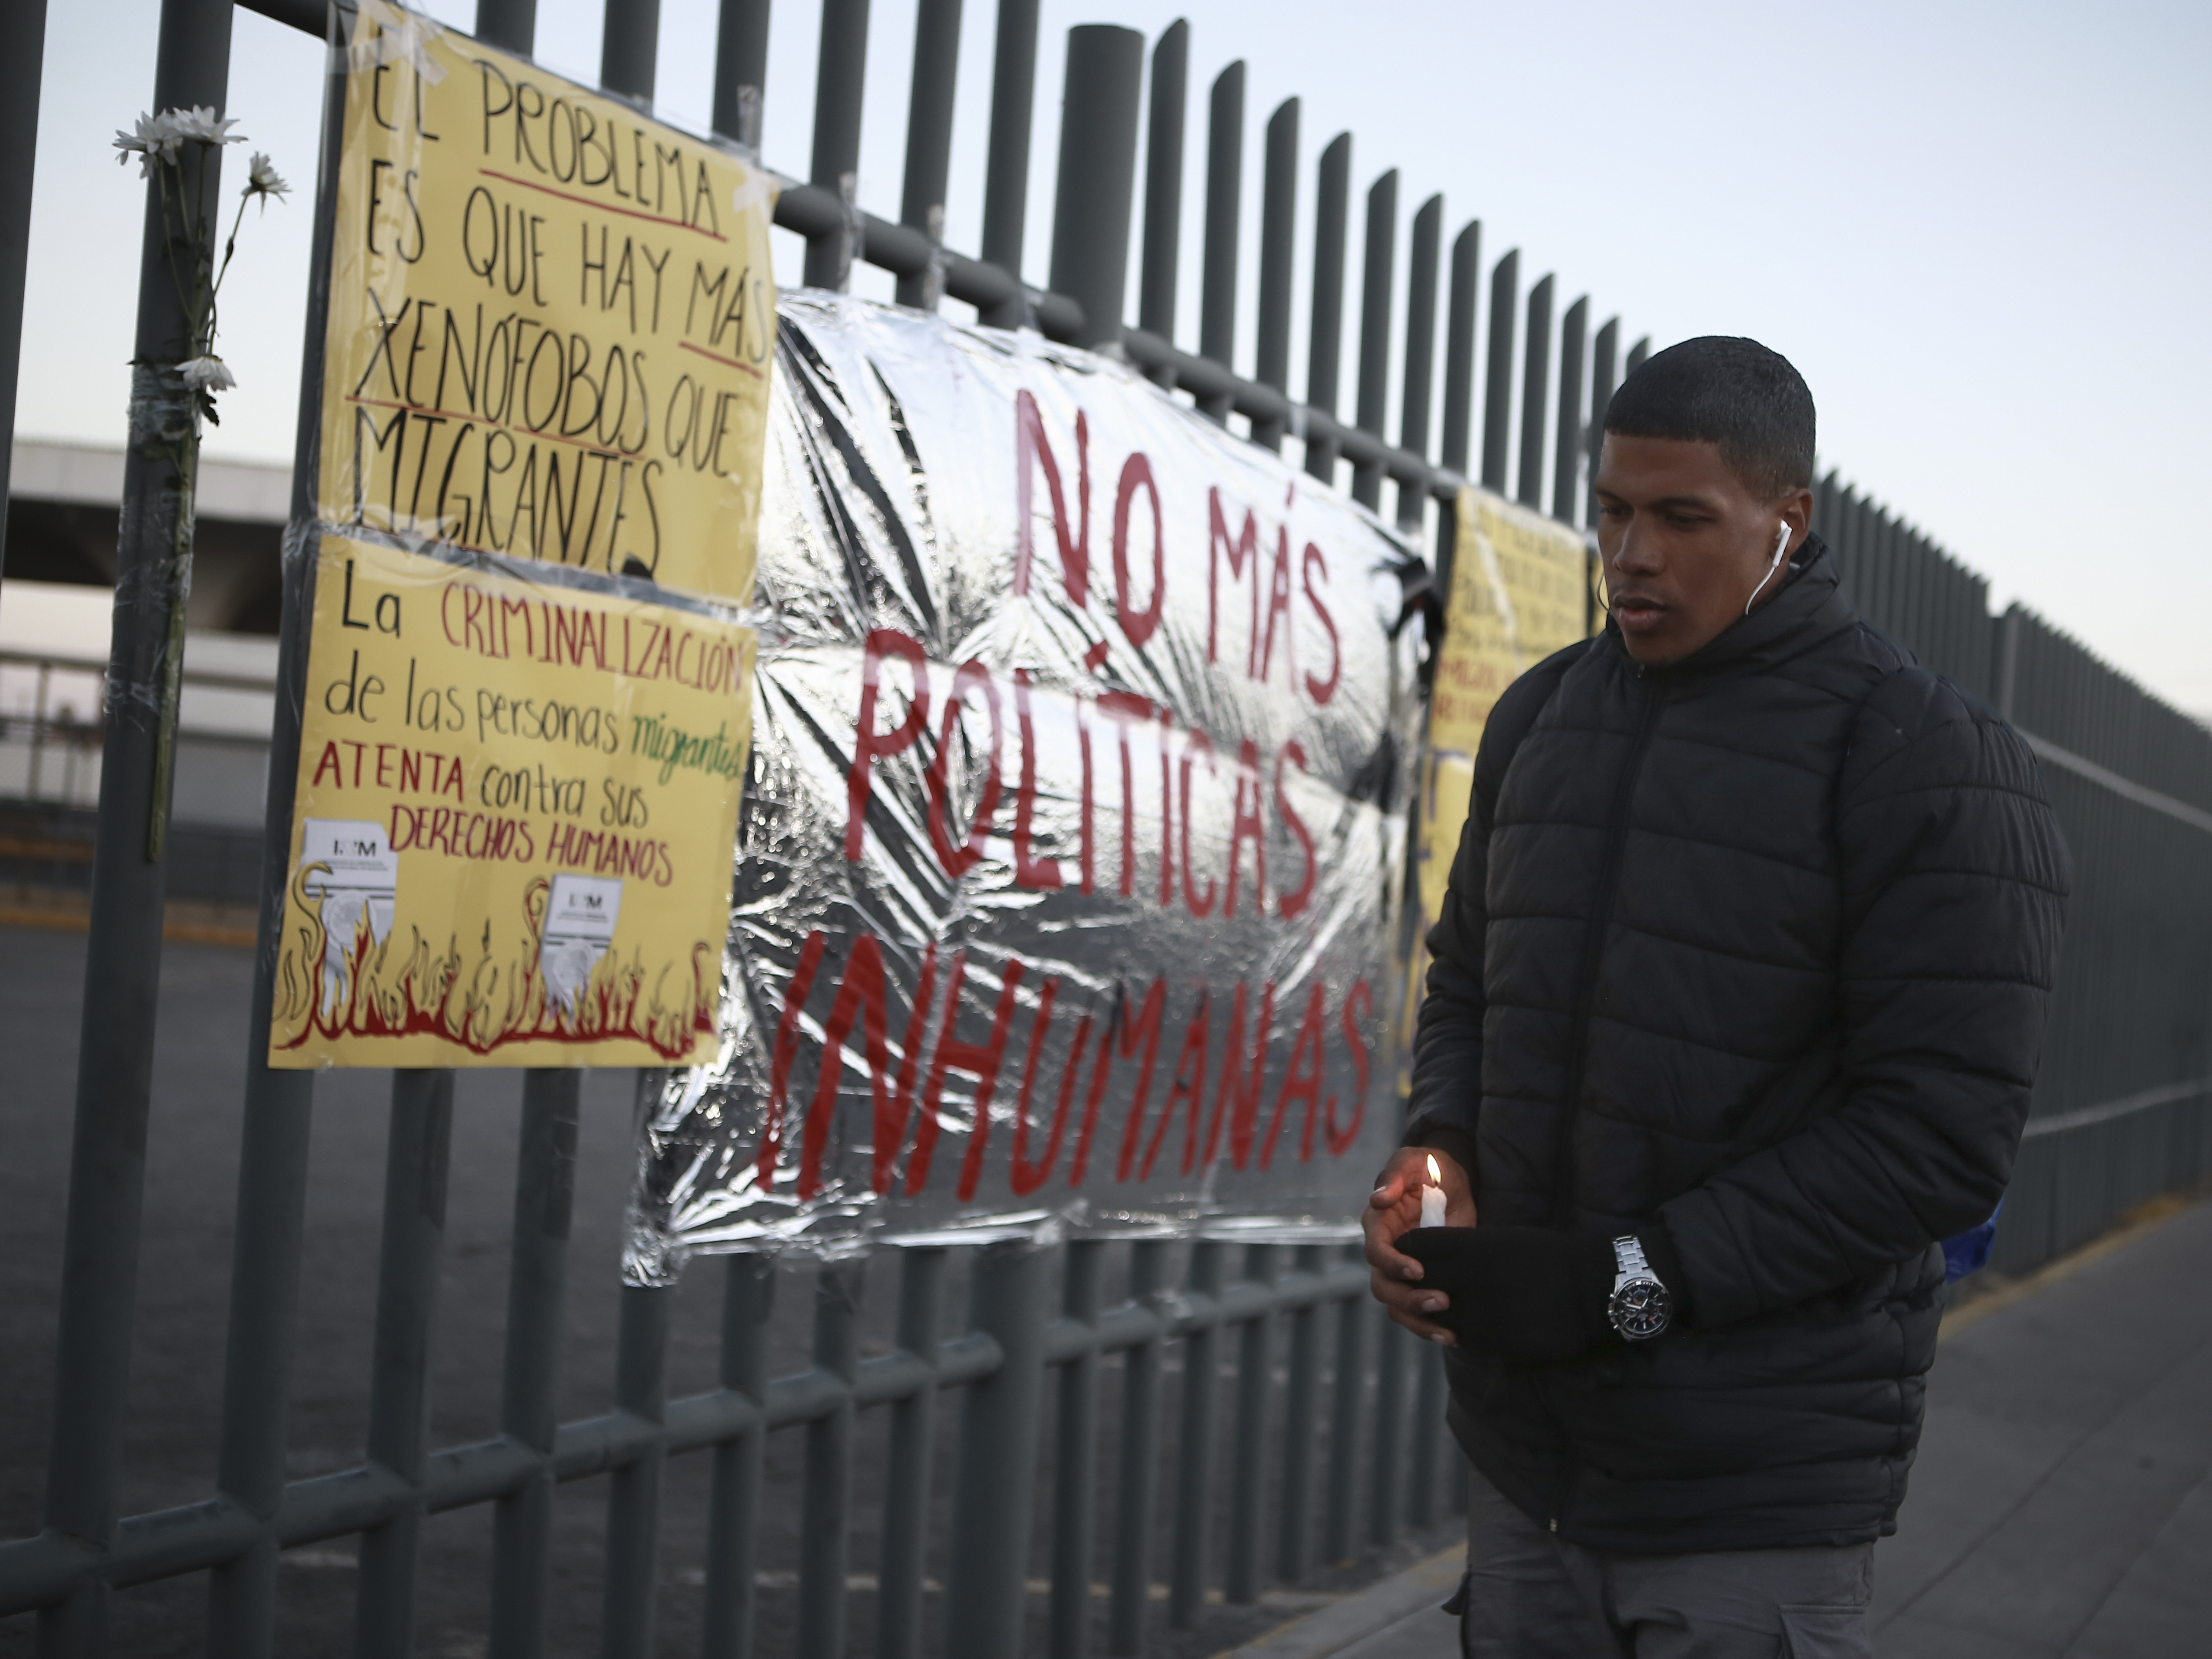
{"x": 629, "y": 42}
{"x": 1138, "y": 1478}
{"x": 1301, "y": 1402}
{"x": 1602, "y": 385}
{"x": 1074, "y": 1459}
{"x": 1247, "y": 1479}
{"x": 1278, "y": 213}
{"x": 1224, "y": 192}
{"x": 1497, "y": 390}
{"x": 824, "y": 1524}
{"x": 1006, "y": 178}
{"x": 905, "y": 1482}
{"x": 1156, "y": 295}
{"x": 1375, "y": 328}
{"x": 989, "y": 1546}
{"x": 929, "y": 142}
{"x": 634, "y": 1491}
{"x": 1201, "y": 1354}
{"x": 748, "y": 1295}
{"x": 1347, "y": 1411}
{"x": 122, "y": 955}
{"x": 840, "y": 73}
{"x": 1097, "y": 177}
{"x": 1459, "y": 347}
{"x": 1324, "y": 351}
{"x": 511, "y": 25}
{"x": 1536, "y": 394}
{"x": 415, "y": 1161}
{"x": 23, "y": 56}
{"x": 1567, "y": 453}
{"x": 740, "y": 66}
{"x": 1421, "y": 353}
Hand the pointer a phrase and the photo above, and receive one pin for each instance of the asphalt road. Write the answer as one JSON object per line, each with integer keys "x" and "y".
{"x": 176, "y": 1380}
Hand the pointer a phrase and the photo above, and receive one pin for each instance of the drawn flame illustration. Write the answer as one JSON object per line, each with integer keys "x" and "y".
{"x": 496, "y": 999}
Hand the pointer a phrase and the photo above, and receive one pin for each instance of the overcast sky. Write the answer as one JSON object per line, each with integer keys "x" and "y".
{"x": 1980, "y": 230}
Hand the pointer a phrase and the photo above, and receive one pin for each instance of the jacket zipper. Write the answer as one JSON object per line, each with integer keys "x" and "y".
{"x": 1616, "y": 835}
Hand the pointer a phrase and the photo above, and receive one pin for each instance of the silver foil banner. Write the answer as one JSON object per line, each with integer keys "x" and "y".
{"x": 1071, "y": 870}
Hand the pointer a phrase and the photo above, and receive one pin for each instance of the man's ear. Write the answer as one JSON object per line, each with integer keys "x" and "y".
{"x": 1796, "y": 509}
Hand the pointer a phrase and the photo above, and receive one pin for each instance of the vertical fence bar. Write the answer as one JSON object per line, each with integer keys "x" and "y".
{"x": 1074, "y": 1459}
{"x": 512, "y": 25}
{"x": 740, "y": 66}
{"x": 1201, "y": 1353}
{"x": 416, "y": 1157}
{"x": 1459, "y": 347}
{"x": 990, "y": 1541}
{"x": 929, "y": 142}
{"x": 1007, "y": 173}
{"x": 1346, "y": 1413}
{"x": 906, "y": 1481}
{"x": 634, "y": 1489}
{"x": 1420, "y": 352}
{"x": 122, "y": 955}
{"x": 824, "y": 1520}
{"x": 1638, "y": 353}
{"x": 1224, "y": 193}
{"x": 630, "y": 41}
{"x": 1602, "y": 385}
{"x": 1324, "y": 349}
{"x": 1374, "y": 401}
{"x": 537, "y": 1293}
{"x": 1301, "y": 1402}
{"x": 1156, "y": 290}
{"x": 23, "y": 59}
{"x": 1097, "y": 175}
{"x": 1567, "y": 454}
{"x": 1278, "y": 214}
{"x": 1136, "y": 1480}
{"x": 1428, "y": 1435}
{"x": 1536, "y": 394}
{"x": 1248, "y": 1480}
{"x": 1384, "y": 1472}
{"x": 734, "y": 1514}
{"x": 840, "y": 79}
{"x": 1498, "y": 392}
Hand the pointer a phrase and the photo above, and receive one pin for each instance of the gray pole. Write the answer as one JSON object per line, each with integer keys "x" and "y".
{"x": 929, "y": 142}
{"x": 1497, "y": 392}
{"x": 1567, "y": 454}
{"x": 1375, "y": 326}
{"x": 1097, "y": 176}
{"x": 1535, "y": 393}
{"x": 23, "y": 54}
{"x": 1006, "y": 179}
{"x": 840, "y": 74}
{"x": 510, "y": 25}
{"x": 1420, "y": 351}
{"x": 122, "y": 952}
{"x": 1156, "y": 297}
{"x": 1224, "y": 192}
{"x": 630, "y": 41}
{"x": 1332, "y": 207}
{"x": 740, "y": 68}
{"x": 1638, "y": 353}
{"x": 1459, "y": 347}
{"x": 1278, "y": 213}
{"x": 1602, "y": 385}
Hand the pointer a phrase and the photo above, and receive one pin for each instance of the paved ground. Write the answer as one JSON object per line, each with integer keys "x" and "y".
{"x": 2062, "y": 1505}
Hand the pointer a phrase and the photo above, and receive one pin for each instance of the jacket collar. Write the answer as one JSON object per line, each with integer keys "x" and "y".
{"x": 1809, "y": 610}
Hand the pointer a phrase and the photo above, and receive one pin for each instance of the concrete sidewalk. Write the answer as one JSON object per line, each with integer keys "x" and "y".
{"x": 2061, "y": 1504}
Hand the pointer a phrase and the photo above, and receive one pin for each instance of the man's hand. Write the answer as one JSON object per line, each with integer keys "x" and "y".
{"x": 1395, "y": 1207}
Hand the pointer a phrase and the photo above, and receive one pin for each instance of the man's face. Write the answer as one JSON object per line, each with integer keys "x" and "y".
{"x": 1684, "y": 542}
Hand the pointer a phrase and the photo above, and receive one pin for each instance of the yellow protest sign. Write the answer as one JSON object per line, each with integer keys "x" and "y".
{"x": 551, "y": 320}
{"x": 1520, "y": 587}
{"x": 511, "y": 839}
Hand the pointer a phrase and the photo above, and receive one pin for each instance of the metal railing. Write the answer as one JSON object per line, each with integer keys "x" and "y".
{"x": 2132, "y": 781}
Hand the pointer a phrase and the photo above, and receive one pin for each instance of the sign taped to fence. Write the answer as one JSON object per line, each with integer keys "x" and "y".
{"x": 1071, "y": 867}
{"x": 1519, "y": 590}
{"x": 551, "y": 318}
{"x": 515, "y": 806}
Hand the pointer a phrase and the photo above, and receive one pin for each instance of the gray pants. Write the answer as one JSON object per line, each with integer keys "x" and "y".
{"x": 1530, "y": 1595}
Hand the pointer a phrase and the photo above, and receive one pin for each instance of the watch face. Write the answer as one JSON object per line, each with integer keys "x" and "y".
{"x": 1641, "y": 1308}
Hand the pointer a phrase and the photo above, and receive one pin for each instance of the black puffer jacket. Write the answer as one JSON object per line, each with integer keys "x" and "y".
{"x": 1755, "y": 947}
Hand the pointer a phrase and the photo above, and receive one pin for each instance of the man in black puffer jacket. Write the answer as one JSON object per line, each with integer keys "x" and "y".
{"x": 1736, "y": 998}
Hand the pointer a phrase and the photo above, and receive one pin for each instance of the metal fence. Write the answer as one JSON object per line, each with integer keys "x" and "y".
{"x": 1334, "y": 1436}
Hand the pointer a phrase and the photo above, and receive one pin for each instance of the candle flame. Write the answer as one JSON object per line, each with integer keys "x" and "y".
{"x": 1436, "y": 1175}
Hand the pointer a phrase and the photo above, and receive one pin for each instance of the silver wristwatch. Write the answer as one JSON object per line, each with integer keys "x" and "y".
{"x": 1642, "y": 1308}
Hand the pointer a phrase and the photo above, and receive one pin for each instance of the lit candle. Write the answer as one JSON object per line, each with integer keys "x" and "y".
{"x": 1432, "y": 1196}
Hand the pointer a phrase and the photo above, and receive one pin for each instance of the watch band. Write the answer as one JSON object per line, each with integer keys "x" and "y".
{"x": 1628, "y": 1259}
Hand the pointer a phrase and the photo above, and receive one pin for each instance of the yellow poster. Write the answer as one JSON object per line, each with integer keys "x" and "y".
{"x": 512, "y": 840}
{"x": 551, "y": 318}
{"x": 1520, "y": 587}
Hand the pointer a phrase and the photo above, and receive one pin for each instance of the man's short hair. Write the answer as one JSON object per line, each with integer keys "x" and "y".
{"x": 1720, "y": 389}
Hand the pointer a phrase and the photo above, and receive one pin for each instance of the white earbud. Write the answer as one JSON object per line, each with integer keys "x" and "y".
{"x": 1781, "y": 546}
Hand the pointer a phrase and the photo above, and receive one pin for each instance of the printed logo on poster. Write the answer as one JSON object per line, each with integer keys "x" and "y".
{"x": 551, "y": 318}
